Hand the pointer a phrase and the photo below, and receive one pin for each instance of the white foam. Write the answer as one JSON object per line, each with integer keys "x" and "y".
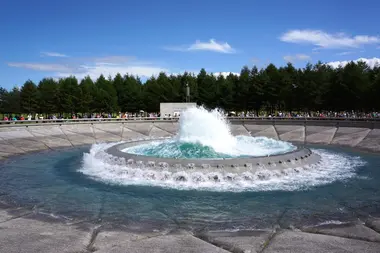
{"x": 103, "y": 167}
{"x": 212, "y": 130}
{"x": 332, "y": 222}
{"x": 246, "y": 146}
{"x": 197, "y": 125}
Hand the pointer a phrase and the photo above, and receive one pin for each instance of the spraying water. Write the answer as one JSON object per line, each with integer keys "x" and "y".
{"x": 204, "y": 134}
{"x": 100, "y": 166}
{"x": 207, "y": 134}
{"x": 197, "y": 125}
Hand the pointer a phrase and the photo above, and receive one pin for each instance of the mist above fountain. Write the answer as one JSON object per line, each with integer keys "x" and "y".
{"x": 207, "y": 134}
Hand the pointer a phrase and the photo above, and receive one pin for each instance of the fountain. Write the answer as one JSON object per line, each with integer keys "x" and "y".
{"x": 205, "y": 150}
{"x": 201, "y": 176}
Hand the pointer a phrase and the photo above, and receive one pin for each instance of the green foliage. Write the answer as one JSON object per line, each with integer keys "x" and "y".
{"x": 315, "y": 87}
{"x": 47, "y": 96}
{"x": 29, "y": 97}
{"x": 87, "y": 92}
{"x": 67, "y": 95}
{"x": 13, "y": 101}
{"x": 3, "y": 100}
{"x": 105, "y": 96}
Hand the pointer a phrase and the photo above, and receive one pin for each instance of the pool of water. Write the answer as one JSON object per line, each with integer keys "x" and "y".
{"x": 54, "y": 182}
{"x": 243, "y": 146}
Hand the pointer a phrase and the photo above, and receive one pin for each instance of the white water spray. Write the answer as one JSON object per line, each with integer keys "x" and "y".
{"x": 197, "y": 125}
{"x": 103, "y": 167}
{"x": 211, "y": 129}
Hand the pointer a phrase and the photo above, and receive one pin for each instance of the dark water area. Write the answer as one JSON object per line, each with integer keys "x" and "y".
{"x": 50, "y": 181}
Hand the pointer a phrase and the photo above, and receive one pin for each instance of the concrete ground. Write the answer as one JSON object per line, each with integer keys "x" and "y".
{"x": 23, "y": 230}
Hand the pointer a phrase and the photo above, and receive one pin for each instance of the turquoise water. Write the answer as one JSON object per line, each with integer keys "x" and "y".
{"x": 52, "y": 182}
{"x": 177, "y": 150}
{"x": 244, "y": 146}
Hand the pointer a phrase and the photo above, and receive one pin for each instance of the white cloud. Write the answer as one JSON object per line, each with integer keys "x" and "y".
{"x": 53, "y": 54}
{"x": 372, "y": 62}
{"x": 94, "y": 71}
{"x": 297, "y": 57}
{"x": 345, "y": 53}
{"x": 327, "y": 40}
{"x": 94, "y": 67}
{"x": 47, "y": 67}
{"x": 107, "y": 65}
{"x": 113, "y": 59}
{"x": 211, "y": 45}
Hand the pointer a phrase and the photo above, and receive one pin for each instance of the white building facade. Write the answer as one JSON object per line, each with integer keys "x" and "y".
{"x": 174, "y": 109}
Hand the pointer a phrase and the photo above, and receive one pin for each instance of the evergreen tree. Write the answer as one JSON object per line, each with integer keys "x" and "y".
{"x": 255, "y": 91}
{"x": 29, "y": 97}
{"x": 47, "y": 96}
{"x": 68, "y": 95}
{"x": 152, "y": 93}
{"x": 87, "y": 91}
{"x": 106, "y": 96}
{"x": 13, "y": 104}
{"x": 228, "y": 92}
{"x": 3, "y": 100}
{"x": 206, "y": 89}
{"x": 272, "y": 88}
{"x": 312, "y": 88}
{"x": 118, "y": 84}
{"x": 242, "y": 90}
{"x": 132, "y": 100}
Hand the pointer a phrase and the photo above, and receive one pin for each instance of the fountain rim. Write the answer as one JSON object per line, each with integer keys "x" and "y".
{"x": 300, "y": 155}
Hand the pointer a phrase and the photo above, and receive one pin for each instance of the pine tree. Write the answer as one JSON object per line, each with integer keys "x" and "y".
{"x": 47, "y": 96}
{"x": 29, "y": 97}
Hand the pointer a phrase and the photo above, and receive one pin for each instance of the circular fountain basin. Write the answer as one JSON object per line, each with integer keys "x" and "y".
{"x": 292, "y": 159}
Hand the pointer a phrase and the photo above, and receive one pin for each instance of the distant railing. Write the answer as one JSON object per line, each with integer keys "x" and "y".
{"x": 174, "y": 119}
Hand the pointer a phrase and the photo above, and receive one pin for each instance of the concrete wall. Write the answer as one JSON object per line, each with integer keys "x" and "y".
{"x": 18, "y": 139}
{"x": 171, "y": 108}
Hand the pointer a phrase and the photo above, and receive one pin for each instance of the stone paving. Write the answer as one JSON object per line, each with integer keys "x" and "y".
{"x": 31, "y": 232}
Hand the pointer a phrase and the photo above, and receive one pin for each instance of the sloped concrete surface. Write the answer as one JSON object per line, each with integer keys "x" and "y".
{"x": 171, "y": 127}
{"x": 253, "y": 128}
{"x": 371, "y": 141}
{"x": 239, "y": 241}
{"x": 373, "y": 223}
{"x": 21, "y": 235}
{"x": 31, "y": 232}
{"x": 350, "y": 136}
{"x": 239, "y": 130}
{"x": 294, "y": 242}
{"x": 17, "y": 139}
{"x": 320, "y": 134}
{"x": 121, "y": 242}
{"x": 354, "y": 231}
{"x": 294, "y": 135}
{"x": 269, "y": 131}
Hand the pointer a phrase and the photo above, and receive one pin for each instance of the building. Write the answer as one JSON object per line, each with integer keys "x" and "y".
{"x": 174, "y": 109}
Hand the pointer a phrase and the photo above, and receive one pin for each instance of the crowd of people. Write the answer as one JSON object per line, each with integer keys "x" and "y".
{"x": 141, "y": 114}
{"x": 322, "y": 114}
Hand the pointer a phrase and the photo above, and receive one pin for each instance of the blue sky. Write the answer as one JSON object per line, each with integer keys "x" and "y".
{"x": 43, "y": 38}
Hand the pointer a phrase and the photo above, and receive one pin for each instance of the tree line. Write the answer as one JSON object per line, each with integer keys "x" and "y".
{"x": 316, "y": 87}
